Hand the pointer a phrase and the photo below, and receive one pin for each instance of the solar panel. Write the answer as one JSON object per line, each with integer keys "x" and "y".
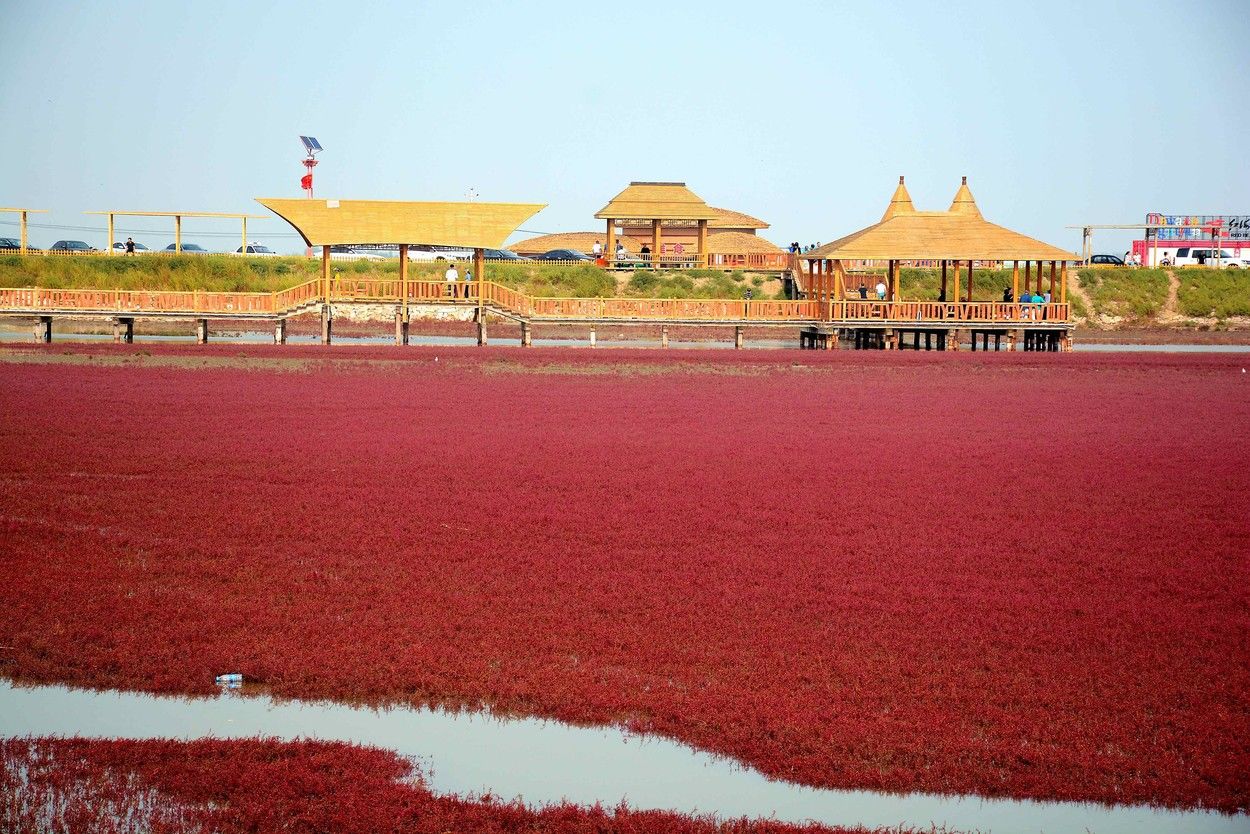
{"x": 311, "y": 144}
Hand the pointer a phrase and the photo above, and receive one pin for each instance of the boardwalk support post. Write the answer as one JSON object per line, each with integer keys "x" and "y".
{"x": 401, "y": 328}
{"x": 738, "y": 337}
{"x": 201, "y": 331}
{"x": 124, "y": 330}
{"x": 664, "y": 336}
{"x": 592, "y": 337}
{"x": 43, "y": 329}
{"x": 279, "y": 332}
{"x": 527, "y": 336}
{"x": 481, "y": 329}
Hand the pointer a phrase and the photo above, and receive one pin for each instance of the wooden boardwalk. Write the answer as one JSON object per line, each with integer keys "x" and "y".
{"x": 886, "y": 321}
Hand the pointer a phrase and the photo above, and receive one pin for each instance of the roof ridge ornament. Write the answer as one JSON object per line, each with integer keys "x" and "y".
{"x": 900, "y": 203}
{"x": 964, "y": 202}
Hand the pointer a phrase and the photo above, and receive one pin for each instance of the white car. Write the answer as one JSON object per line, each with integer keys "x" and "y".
{"x": 119, "y": 247}
{"x": 1194, "y": 256}
{"x": 258, "y": 250}
{"x": 426, "y": 252}
{"x": 346, "y": 254}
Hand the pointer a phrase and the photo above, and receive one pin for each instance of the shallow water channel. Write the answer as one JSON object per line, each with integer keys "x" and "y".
{"x": 544, "y": 762}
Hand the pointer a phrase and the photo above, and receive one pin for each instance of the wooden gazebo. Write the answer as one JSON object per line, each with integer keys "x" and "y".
{"x": 958, "y": 238}
{"x": 660, "y": 204}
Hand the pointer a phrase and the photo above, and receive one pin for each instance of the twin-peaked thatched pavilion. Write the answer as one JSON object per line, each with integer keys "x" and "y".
{"x": 958, "y": 238}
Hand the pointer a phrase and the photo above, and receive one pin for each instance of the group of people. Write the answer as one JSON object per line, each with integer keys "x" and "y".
{"x": 452, "y": 277}
{"x": 797, "y": 249}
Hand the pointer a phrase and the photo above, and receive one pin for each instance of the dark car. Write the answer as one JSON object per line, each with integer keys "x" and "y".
{"x": 502, "y": 255}
{"x": 1106, "y": 260}
{"x": 12, "y": 244}
{"x": 70, "y": 246}
{"x": 564, "y": 255}
{"x": 188, "y": 249}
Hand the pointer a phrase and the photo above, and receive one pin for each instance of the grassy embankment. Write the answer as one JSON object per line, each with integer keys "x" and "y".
{"x": 232, "y": 274}
{"x": 1216, "y": 293}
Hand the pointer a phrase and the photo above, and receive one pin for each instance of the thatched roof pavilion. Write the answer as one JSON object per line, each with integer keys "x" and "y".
{"x": 654, "y": 203}
{"x": 960, "y": 235}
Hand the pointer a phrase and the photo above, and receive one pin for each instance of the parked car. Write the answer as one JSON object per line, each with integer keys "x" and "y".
{"x": 1106, "y": 260}
{"x": 1193, "y": 256}
{"x": 255, "y": 249}
{"x": 503, "y": 255}
{"x": 71, "y": 246}
{"x": 120, "y": 246}
{"x": 347, "y": 253}
{"x": 564, "y": 255}
{"x": 12, "y": 244}
{"x": 189, "y": 249}
{"x": 428, "y": 252}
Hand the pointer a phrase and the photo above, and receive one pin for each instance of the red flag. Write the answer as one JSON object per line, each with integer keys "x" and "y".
{"x": 305, "y": 182}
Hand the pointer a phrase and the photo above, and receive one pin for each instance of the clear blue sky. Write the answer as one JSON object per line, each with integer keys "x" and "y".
{"x": 802, "y": 113}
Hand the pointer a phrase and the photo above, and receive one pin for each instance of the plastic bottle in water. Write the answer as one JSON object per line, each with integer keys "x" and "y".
{"x": 233, "y": 677}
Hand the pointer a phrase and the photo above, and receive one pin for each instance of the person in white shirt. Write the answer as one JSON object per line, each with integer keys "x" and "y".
{"x": 452, "y": 277}
{"x": 881, "y": 289}
{"x": 597, "y": 250}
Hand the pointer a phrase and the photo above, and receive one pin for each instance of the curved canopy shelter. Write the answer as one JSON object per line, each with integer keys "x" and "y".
{"x": 956, "y": 237}
{"x": 347, "y": 222}
{"x": 658, "y": 204}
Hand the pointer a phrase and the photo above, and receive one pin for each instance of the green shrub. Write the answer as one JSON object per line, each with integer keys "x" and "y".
{"x": 1213, "y": 292}
{"x": 1127, "y": 293}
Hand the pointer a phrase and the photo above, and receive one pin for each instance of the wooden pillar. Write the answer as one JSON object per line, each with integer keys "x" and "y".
{"x": 479, "y": 273}
{"x": 955, "y": 287}
{"x": 244, "y": 249}
{"x": 1028, "y": 275}
{"x": 895, "y": 271}
{"x": 178, "y": 234}
{"x": 111, "y": 237}
{"x": 403, "y": 283}
{"x": 703, "y": 259}
{"x": 945, "y": 297}
{"x": 279, "y": 332}
{"x": 1052, "y": 280}
{"x": 43, "y": 329}
{"x": 839, "y": 271}
{"x": 1015, "y": 280}
{"x": 201, "y": 331}
{"x": 593, "y": 339}
{"x": 527, "y": 338}
{"x": 610, "y": 251}
{"x": 1063, "y": 283}
{"x": 664, "y": 335}
{"x": 738, "y": 337}
{"x": 657, "y": 240}
{"x": 481, "y": 331}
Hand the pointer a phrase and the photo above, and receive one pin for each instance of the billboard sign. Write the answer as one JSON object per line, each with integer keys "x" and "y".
{"x": 1198, "y": 226}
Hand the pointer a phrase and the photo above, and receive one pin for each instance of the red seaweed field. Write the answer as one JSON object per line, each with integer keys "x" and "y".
{"x": 169, "y": 787}
{"x": 1010, "y": 574}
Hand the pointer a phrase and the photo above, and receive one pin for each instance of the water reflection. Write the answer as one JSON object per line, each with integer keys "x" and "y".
{"x": 544, "y": 762}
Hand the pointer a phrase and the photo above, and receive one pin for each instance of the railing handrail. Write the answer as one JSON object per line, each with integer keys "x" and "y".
{"x": 516, "y": 302}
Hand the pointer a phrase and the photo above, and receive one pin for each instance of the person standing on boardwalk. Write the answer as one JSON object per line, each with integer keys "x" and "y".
{"x": 452, "y": 277}
{"x": 597, "y": 250}
{"x": 863, "y": 288}
{"x": 130, "y": 246}
{"x": 881, "y": 290}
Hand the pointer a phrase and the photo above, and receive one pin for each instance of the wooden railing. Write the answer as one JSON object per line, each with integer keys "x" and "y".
{"x": 35, "y": 300}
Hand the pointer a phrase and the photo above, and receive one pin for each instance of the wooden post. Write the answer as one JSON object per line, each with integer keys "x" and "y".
{"x": 1015, "y": 281}
{"x": 1028, "y": 275}
{"x": 111, "y": 237}
{"x": 955, "y": 270}
{"x": 201, "y": 331}
{"x": 894, "y": 274}
{"x": 527, "y": 339}
{"x": 703, "y": 259}
{"x": 178, "y": 234}
{"x": 279, "y": 332}
{"x": 609, "y": 252}
{"x": 657, "y": 240}
{"x": 738, "y": 337}
{"x": 403, "y": 283}
{"x": 479, "y": 276}
{"x": 1052, "y": 280}
{"x": 593, "y": 340}
{"x": 970, "y": 280}
{"x": 839, "y": 271}
{"x": 43, "y": 329}
{"x": 664, "y": 335}
{"x": 244, "y": 249}
{"x": 1063, "y": 283}
{"x": 945, "y": 297}
{"x": 481, "y": 331}
{"x": 24, "y": 237}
